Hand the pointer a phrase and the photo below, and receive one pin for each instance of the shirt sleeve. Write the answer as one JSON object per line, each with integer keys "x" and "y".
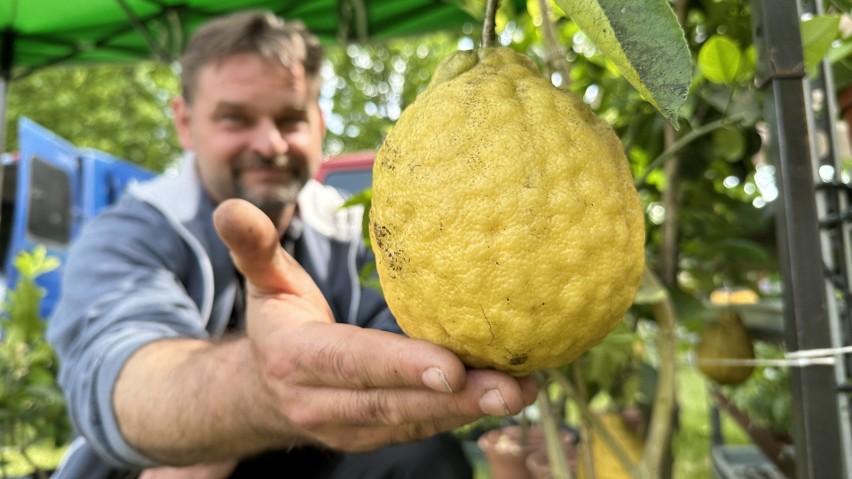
{"x": 121, "y": 290}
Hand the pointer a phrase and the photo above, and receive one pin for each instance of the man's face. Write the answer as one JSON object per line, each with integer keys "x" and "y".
{"x": 256, "y": 129}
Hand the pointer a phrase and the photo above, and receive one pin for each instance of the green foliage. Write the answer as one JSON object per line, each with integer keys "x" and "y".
{"x": 368, "y": 86}
{"x": 363, "y": 199}
{"x": 120, "y": 109}
{"x": 818, "y": 34}
{"x": 21, "y": 321}
{"x": 765, "y": 397}
{"x": 722, "y": 61}
{"x": 32, "y": 407}
{"x": 613, "y": 368}
{"x": 368, "y": 276}
{"x": 645, "y": 40}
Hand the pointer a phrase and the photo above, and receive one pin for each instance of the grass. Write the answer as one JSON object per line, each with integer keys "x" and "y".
{"x": 692, "y": 442}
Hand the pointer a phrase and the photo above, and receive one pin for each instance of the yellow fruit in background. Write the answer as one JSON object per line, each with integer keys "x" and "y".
{"x": 504, "y": 217}
{"x": 733, "y": 296}
{"x": 606, "y": 462}
{"x": 726, "y": 339}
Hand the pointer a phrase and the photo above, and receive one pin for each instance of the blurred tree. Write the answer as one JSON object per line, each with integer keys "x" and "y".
{"x": 368, "y": 85}
{"x": 120, "y": 109}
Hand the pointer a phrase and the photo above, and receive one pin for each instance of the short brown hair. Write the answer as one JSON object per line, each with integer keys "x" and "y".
{"x": 258, "y": 32}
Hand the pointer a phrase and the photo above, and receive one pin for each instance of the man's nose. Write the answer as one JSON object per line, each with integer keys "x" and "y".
{"x": 268, "y": 139}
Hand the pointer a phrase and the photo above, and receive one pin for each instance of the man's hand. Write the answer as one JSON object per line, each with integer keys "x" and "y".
{"x": 346, "y": 387}
{"x": 298, "y": 377}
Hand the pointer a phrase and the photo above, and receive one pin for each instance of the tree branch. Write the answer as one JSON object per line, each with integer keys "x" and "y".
{"x": 660, "y": 426}
{"x": 550, "y": 426}
{"x": 555, "y": 54}
{"x": 489, "y": 33}
{"x": 686, "y": 139}
{"x": 596, "y": 424}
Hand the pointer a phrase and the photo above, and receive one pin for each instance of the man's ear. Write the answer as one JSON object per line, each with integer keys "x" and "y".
{"x": 183, "y": 119}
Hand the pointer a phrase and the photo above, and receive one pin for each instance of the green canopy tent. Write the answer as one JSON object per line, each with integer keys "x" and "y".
{"x": 39, "y": 33}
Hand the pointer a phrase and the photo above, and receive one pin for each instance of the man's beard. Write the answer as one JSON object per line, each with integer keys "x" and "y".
{"x": 272, "y": 201}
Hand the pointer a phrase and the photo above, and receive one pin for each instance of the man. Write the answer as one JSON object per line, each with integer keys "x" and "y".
{"x": 161, "y": 363}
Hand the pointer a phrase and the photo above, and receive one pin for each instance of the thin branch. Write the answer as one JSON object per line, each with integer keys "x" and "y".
{"x": 660, "y": 426}
{"x": 585, "y": 428}
{"x": 489, "y": 25}
{"x": 596, "y": 424}
{"x": 555, "y": 54}
{"x": 550, "y": 425}
{"x": 687, "y": 139}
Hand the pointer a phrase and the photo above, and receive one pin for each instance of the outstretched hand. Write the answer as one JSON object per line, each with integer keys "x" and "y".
{"x": 340, "y": 385}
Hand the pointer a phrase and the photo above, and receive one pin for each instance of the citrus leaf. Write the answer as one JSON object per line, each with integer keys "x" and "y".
{"x": 729, "y": 143}
{"x": 644, "y": 39}
{"x": 651, "y": 290}
{"x": 748, "y": 66}
{"x": 818, "y": 33}
{"x": 742, "y": 249}
{"x": 841, "y": 51}
{"x": 720, "y": 60}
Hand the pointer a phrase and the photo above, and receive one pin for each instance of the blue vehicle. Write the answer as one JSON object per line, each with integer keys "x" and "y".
{"x": 49, "y": 190}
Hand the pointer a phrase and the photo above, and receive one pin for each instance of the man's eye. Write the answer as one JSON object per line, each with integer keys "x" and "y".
{"x": 291, "y": 121}
{"x": 234, "y": 119}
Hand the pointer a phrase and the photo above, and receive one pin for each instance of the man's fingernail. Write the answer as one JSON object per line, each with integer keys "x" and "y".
{"x": 492, "y": 403}
{"x": 435, "y": 379}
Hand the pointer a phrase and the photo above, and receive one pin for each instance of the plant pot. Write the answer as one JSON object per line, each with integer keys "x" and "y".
{"x": 508, "y": 458}
{"x": 844, "y": 105}
{"x": 506, "y": 455}
{"x": 538, "y": 463}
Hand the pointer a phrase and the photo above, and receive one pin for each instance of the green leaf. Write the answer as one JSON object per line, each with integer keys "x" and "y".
{"x": 729, "y": 143}
{"x": 651, "y": 290}
{"x": 35, "y": 263}
{"x": 842, "y": 5}
{"x": 365, "y": 199}
{"x": 644, "y": 39}
{"x": 742, "y": 249}
{"x": 721, "y": 60}
{"x": 840, "y": 52}
{"x": 818, "y": 33}
{"x": 748, "y": 66}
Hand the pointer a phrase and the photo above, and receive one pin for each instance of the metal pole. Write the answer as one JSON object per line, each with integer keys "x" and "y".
{"x": 816, "y": 429}
{"x": 140, "y": 27}
{"x": 832, "y": 206}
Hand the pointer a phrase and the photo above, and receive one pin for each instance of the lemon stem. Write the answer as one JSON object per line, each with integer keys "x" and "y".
{"x": 489, "y": 29}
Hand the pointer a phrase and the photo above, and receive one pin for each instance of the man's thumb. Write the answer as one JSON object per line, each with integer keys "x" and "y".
{"x": 253, "y": 240}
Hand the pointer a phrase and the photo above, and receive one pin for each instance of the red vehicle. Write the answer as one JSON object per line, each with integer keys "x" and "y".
{"x": 349, "y": 172}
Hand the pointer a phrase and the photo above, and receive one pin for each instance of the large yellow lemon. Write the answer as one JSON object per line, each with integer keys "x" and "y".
{"x": 504, "y": 218}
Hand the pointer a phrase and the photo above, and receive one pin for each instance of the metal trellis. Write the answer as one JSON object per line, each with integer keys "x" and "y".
{"x": 813, "y": 222}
